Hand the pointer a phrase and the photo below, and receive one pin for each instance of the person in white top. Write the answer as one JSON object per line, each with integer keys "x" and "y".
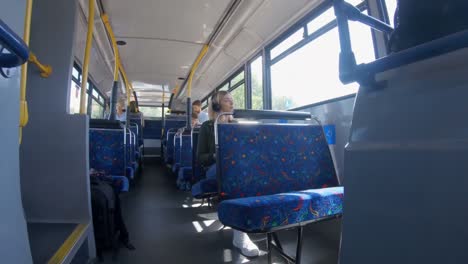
{"x": 121, "y": 113}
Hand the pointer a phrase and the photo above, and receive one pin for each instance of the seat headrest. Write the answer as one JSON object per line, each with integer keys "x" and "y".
{"x": 104, "y": 123}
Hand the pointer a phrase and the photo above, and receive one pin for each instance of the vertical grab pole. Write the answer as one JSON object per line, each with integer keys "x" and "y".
{"x": 89, "y": 41}
{"x": 347, "y": 59}
{"x": 189, "y": 86}
{"x": 24, "y": 116}
{"x": 105, "y": 20}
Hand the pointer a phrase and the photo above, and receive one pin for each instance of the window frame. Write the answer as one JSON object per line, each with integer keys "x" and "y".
{"x": 100, "y": 98}
{"x": 267, "y": 62}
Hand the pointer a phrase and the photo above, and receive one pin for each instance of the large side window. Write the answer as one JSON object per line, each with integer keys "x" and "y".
{"x": 391, "y": 8}
{"x": 237, "y": 89}
{"x": 309, "y": 73}
{"x": 151, "y": 111}
{"x": 256, "y": 79}
{"x": 97, "y": 100}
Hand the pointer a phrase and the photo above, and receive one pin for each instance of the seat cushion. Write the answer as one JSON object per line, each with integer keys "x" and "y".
{"x": 263, "y": 213}
{"x": 205, "y": 188}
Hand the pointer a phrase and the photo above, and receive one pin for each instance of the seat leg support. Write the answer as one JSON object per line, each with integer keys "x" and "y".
{"x": 300, "y": 231}
{"x": 269, "y": 246}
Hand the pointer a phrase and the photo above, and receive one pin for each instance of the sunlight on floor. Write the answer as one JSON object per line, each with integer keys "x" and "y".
{"x": 227, "y": 255}
{"x": 197, "y": 226}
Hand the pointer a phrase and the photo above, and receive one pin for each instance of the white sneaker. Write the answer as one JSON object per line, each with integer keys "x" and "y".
{"x": 244, "y": 244}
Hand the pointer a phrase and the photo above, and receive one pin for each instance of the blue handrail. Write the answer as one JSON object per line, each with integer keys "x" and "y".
{"x": 13, "y": 43}
{"x": 424, "y": 51}
{"x": 355, "y": 14}
{"x": 351, "y": 72}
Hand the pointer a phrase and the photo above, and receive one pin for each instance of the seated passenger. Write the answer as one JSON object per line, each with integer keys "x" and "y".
{"x": 135, "y": 112}
{"x": 195, "y": 121}
{"x": 220, "y": 102}
{"x": 121, "y": 113}
{"x": 196, "y": 108}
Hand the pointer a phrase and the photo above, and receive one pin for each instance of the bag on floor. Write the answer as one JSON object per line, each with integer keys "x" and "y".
{"x": 103, "y": 208}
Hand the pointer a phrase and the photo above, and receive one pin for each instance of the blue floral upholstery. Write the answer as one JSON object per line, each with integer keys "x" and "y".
{"x": 273, "y": 158}
{"x": 169, "y": 151}
{"x": 274, "y": 176}
{"x": 107, "y": 151}
{"x": 261, "y": 214}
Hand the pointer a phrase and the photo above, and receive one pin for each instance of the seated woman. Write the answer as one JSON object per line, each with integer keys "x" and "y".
{"x": 220, "y": 102}
{"x": 121, "y": 113}
{"x": 134, "y": 113}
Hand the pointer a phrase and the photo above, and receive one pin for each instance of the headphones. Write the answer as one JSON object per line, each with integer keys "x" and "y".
{"x": 215, "y": 105}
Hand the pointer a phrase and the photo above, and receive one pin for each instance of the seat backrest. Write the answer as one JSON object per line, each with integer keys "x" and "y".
{"x": 186, "y": 150}
{"x": 153, "y": 129}
{"x": 170, "y": 144}
{"x": 176, "y": 154}
{"x": 265, "y": 159}
{"x": 107, "y": 151}
{"x": 176, "y": 123}
{"x": 197, "y": 169}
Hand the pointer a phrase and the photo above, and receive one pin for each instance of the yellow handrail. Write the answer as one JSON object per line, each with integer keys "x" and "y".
{"x": 194, "y": 68}
{"x": 118, "y": 65}
{"x": 24, "y": 116}
{"x": 46, "y": 70}
{"x": 128, "y": 85}
{"x": 105, "y": 20}
{"x": 89, "y": 41}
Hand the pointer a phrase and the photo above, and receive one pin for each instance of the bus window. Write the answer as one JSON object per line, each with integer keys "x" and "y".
{"x": 310, "y": 74}
{"x": 151, "y": 111}
{"x": 256, "y": 78}
{"x": 225, "y": 87}
{"x": 287, "y": 43}
{"x": 238, "y": 96}
{"x": 97, "y": 110}
{"x": 391, "y": 8}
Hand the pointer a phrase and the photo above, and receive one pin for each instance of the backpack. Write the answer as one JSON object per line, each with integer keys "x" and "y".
{"x": 418, "y": 21}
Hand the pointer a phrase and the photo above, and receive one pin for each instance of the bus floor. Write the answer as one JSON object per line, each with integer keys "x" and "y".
{"x": 167, "y": 226}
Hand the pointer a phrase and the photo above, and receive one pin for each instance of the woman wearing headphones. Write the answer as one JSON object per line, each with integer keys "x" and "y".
{"x": 220, "y": 102}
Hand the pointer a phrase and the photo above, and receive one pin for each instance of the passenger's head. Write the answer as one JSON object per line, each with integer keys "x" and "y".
{"x": 194, "y": 119}
{"x": 196, "y": 107}
{"x": 120, "y": 106}
{"x": 221, "y": 101}
{"x": 132, "y": 107}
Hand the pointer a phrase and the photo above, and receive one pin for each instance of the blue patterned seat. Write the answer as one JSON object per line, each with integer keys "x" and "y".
{"x": 197, "y": 169}
{"x": 176, "y": 155}
{"x": 264, "y": 213}
{"x": 275, "y": 175}
{"x": 169, "y": 148}
{"x": 130, "y": 151}
{"x": 205, "y": 188}
{"x": 107, "y": 152}
{"x": 185, "y": 171}
{"x": 136, "y": 118}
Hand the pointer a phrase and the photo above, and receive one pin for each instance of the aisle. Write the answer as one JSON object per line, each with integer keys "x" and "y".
{"x": 166, "y": 226}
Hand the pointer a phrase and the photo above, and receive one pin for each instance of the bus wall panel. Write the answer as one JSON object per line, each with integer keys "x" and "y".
{"x": 14, "y": 242}
{"x": 54, "y": 152}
